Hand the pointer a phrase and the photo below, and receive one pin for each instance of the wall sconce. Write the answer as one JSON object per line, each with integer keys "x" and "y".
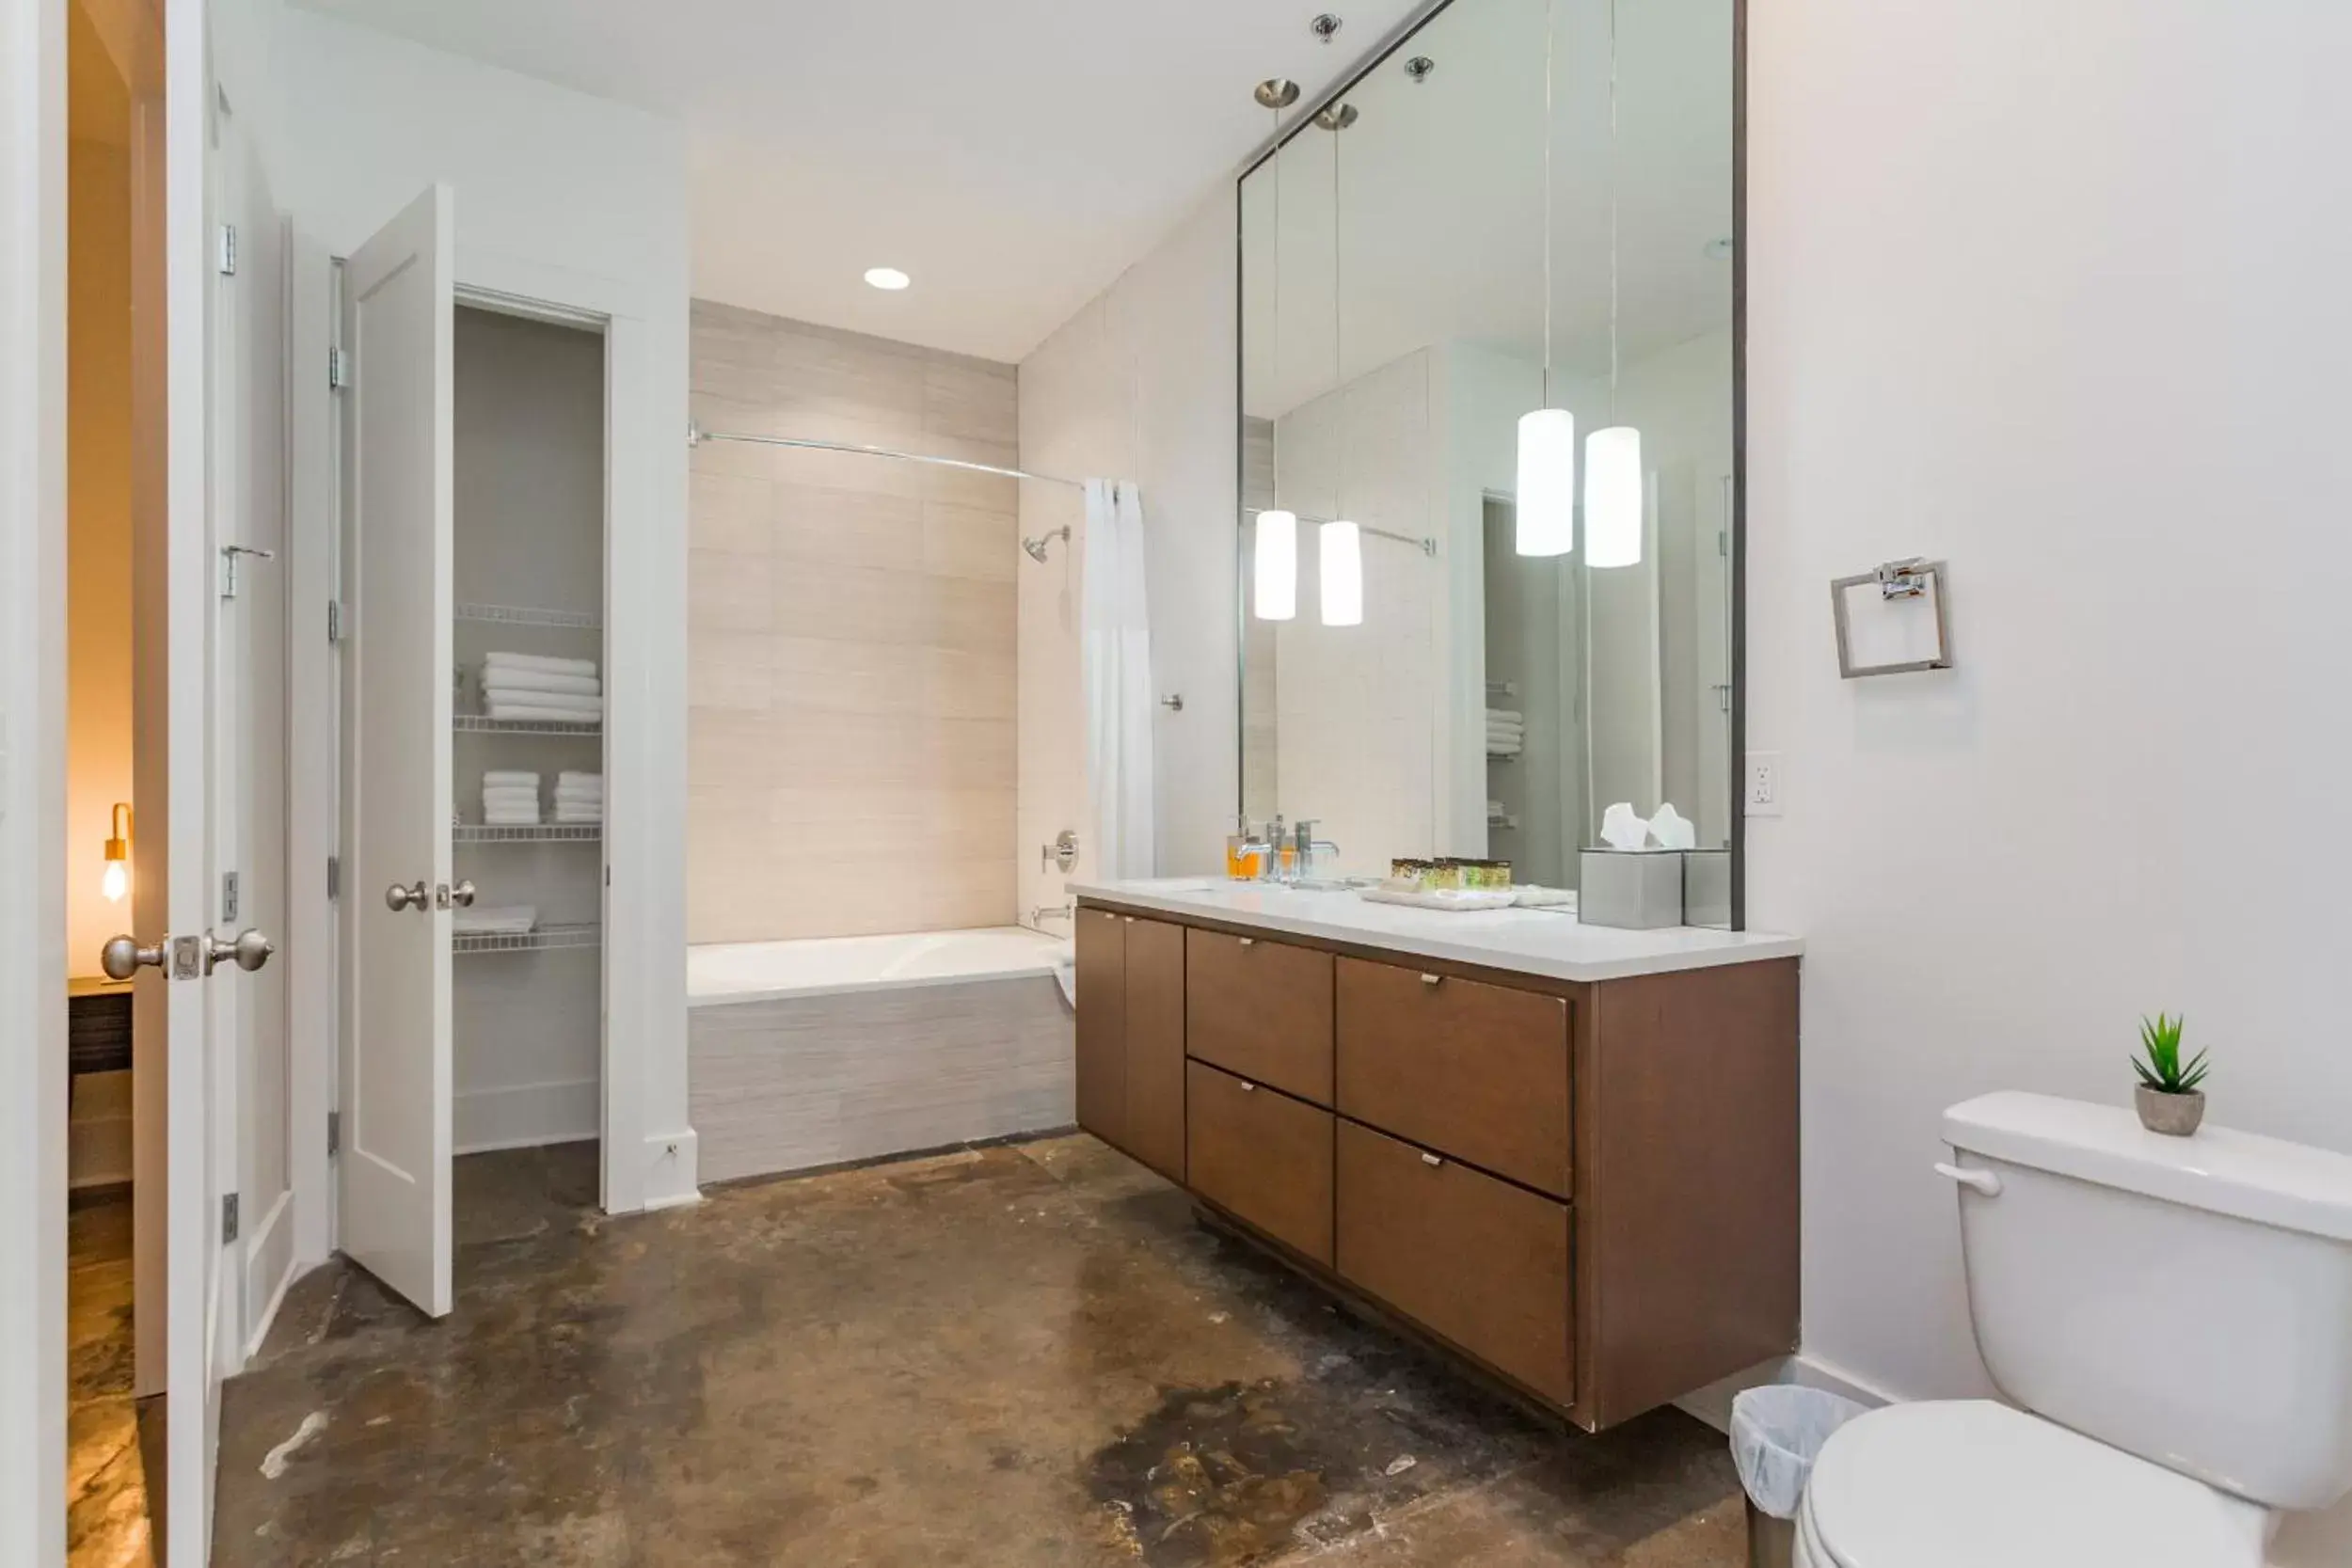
{"x": 117, "y": 881}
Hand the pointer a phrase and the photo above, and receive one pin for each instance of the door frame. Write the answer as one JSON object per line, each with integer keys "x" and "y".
{"x": 641, "y": 1167}
{"x": 32, "y": 780}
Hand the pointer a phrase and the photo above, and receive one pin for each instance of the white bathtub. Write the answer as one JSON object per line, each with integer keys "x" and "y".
{"x": 827, "y": 966}
{"x": 832, "y": 1050}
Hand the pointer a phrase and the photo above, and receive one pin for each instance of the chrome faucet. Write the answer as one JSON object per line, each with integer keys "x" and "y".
{"x": 1308, "y": 849}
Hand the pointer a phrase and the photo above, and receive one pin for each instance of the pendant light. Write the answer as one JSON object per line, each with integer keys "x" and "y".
{"x": 1339, "y": 544}
{"x": 1545, "y": 494}
{"x": 1274, "y": 566}
{"x": 1612, "y": 456}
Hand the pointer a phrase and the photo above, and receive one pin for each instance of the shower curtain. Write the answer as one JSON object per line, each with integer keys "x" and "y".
{"x": 1115, "y": 647}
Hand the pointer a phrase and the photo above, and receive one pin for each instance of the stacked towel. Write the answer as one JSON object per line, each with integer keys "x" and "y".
{"x": 579, "y": 797}
{"x": 510, "y": 798}
{"x": 525, "y": 686}
{"x": 1506, "y": 731}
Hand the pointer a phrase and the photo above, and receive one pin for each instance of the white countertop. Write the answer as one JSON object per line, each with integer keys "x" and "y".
{"x": 1530, "y": 941}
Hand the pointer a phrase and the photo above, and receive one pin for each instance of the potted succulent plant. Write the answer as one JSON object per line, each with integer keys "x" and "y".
{"x": 2167, "y": 1096}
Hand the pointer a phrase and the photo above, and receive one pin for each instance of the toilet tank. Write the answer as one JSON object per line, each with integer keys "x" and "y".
{"x": 2188, "y": 1300}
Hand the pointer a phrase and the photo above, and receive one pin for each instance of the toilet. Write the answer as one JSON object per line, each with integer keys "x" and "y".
{"x": 2173, "y": 1318}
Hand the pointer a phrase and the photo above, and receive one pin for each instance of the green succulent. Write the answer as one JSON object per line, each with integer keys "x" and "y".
{"x": 2160, "y": 1067}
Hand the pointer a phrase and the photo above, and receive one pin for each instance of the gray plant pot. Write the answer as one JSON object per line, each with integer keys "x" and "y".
{"x": 2175, "y": 1115}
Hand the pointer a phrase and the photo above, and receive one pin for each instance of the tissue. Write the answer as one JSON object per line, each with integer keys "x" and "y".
{"x": 1671, "y": 830}
{"x": 1621, "y": 830}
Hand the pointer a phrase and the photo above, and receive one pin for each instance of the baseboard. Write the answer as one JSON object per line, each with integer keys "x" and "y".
{"x": 270, "y": 1270}
{"x": 526, "y": 1115}
{"x": 671, "y": 1162}
{"x": 1712, "y": 1403}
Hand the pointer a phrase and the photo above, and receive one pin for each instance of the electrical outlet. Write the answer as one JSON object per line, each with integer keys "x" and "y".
{"x": 1763, "y": 783}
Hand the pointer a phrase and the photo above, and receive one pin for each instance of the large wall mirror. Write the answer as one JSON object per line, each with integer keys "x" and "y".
{"x": 1527, "y": 204}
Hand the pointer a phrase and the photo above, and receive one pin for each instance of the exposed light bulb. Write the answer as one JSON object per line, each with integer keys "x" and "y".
{"x": 888, "y": 278}
{"x": 1612, "y": 497}
{"x": 1276, "y": 566}
{"x": 117, "y": 881}
{"x": 1340, "y": 557}
{"x": 1546, "y": 482}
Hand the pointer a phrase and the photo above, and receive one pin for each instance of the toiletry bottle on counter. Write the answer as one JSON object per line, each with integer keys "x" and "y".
{"x": 1241, "y": 851}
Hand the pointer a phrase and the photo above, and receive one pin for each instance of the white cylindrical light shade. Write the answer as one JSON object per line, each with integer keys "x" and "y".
{"x": 1547, "y": 484}
{"x": 1341, "y": 559}
{"x": 1612, "y": 497}
{"x": 1275, "y": 577}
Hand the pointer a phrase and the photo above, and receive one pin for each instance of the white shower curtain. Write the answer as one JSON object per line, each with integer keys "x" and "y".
{"x": 1116, "y": 643}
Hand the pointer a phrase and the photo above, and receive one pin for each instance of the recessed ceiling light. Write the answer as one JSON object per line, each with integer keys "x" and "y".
{"x": 888, "y": 278}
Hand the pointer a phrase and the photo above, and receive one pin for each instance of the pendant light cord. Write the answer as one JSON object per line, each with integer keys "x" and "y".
{"x": 1549, "y": 7}
{"x": 1612, "y": 210}
{"x": 1338, "y": 366}
{"x": 1273, "y": 426}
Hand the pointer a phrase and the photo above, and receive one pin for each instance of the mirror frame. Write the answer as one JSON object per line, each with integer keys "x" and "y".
{"x": 1305, "y": 119}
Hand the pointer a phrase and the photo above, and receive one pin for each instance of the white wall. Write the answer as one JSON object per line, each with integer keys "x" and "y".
{"x": 572, "y": 190}
{"x": 1140, "y": 385}
{"x": 2078, "y": 327}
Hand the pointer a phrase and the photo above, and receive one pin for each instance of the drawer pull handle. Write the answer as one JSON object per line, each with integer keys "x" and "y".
{"x": 1247, "y": 1087}
{"x": 1128, "y": 918}
{"x": 1432, "y": 1161}
{"x": 1248, "y": 942}
{"x": 1433, "y": 981}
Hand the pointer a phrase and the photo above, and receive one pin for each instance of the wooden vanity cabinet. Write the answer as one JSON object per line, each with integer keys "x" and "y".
{"x": 1586, "y": 1189}
{"x": 1131, "y": 1036}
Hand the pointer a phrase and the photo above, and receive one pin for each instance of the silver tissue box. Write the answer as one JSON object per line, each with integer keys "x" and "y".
{"x": 1635, "y": 889}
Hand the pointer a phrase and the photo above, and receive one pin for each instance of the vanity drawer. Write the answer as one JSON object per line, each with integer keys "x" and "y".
{"x": 1261, "y": 1009}
{"x": 1477, "y": 1071}
{"x": 1475, "y": 1260}
{"x": 1261, "y": 1156}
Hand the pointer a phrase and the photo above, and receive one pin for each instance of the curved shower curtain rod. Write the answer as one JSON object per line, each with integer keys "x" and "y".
{"x": 696, "y": 436}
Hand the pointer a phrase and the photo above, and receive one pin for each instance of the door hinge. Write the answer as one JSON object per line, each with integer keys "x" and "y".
{"x": 228, "y": 1218}
{"x": 334, "y": 620}
{"x": 338, "y": 369}
{"x": 228, "y": 897}
{"x": 229, "y": 250}
{"x": 334, "y": 877}
{"x": 334, "y": 1133}
{"x": 1722, "y": 543}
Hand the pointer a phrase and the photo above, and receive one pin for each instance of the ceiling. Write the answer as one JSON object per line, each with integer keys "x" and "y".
{"x": 1013, "y": 156}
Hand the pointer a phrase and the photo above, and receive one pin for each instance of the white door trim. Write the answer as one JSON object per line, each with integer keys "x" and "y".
{"x": 644, "y": 1165}
{"x": 32, "y": 782}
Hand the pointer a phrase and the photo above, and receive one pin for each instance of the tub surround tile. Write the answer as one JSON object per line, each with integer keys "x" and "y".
{"x": 851, "y": 632}
{"x": 785, "y": 1085}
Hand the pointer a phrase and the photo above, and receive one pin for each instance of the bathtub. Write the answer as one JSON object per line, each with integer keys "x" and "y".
{"x": 831, "y": 1049}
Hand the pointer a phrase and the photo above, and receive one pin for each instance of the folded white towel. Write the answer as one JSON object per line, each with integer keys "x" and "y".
{"x": 532, "y": 713}
{"x": 510, "y": 776}
{"x": 1502, "y": 747}
{"x": 574, "y": 701}
{"x": 1507, "y": 715}
{"x": 569, "y": 818}
{"x": 512, "y": 920}
{"x": 538, "y": 662}
{"x": 585, "y": 791}
{"x": 568, "y": 779}
{"x": 511, "y": 802}
{"x": 539, "y": 680}
{"x": 573, "y": 803}
{"x": 512, "y": 819}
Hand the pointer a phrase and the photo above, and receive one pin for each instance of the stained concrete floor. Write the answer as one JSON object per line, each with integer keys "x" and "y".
{"x": 107, "y": 1523}
{"x": 1029, "y": 1356}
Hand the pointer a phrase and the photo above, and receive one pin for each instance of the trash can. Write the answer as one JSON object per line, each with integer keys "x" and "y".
{"x": 1776, "y": 1432}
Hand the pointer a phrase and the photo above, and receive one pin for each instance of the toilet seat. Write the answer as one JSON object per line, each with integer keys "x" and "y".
{"x": 1968, "y": 1483}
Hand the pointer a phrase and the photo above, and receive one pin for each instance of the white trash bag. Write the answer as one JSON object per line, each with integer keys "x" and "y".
{"x": 1776, "y": 1432}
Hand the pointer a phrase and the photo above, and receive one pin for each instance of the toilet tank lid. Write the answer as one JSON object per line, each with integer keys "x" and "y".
{"x": 2243, "y": 1175}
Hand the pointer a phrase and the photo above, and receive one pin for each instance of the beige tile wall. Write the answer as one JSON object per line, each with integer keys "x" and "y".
{"x": 849, "y": 637}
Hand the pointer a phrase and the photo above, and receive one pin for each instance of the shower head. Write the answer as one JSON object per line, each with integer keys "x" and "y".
{"x": 1037, "y": 546}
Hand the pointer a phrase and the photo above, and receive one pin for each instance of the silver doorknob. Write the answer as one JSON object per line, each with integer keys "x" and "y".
{"x": 462, "y": 895}
{"x": 123, "y": 957}
{"x": 249, "y": 951}
{"x": 397, "y": 897}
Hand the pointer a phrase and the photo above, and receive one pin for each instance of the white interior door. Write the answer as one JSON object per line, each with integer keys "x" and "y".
{"x": 395, "y": 1083}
